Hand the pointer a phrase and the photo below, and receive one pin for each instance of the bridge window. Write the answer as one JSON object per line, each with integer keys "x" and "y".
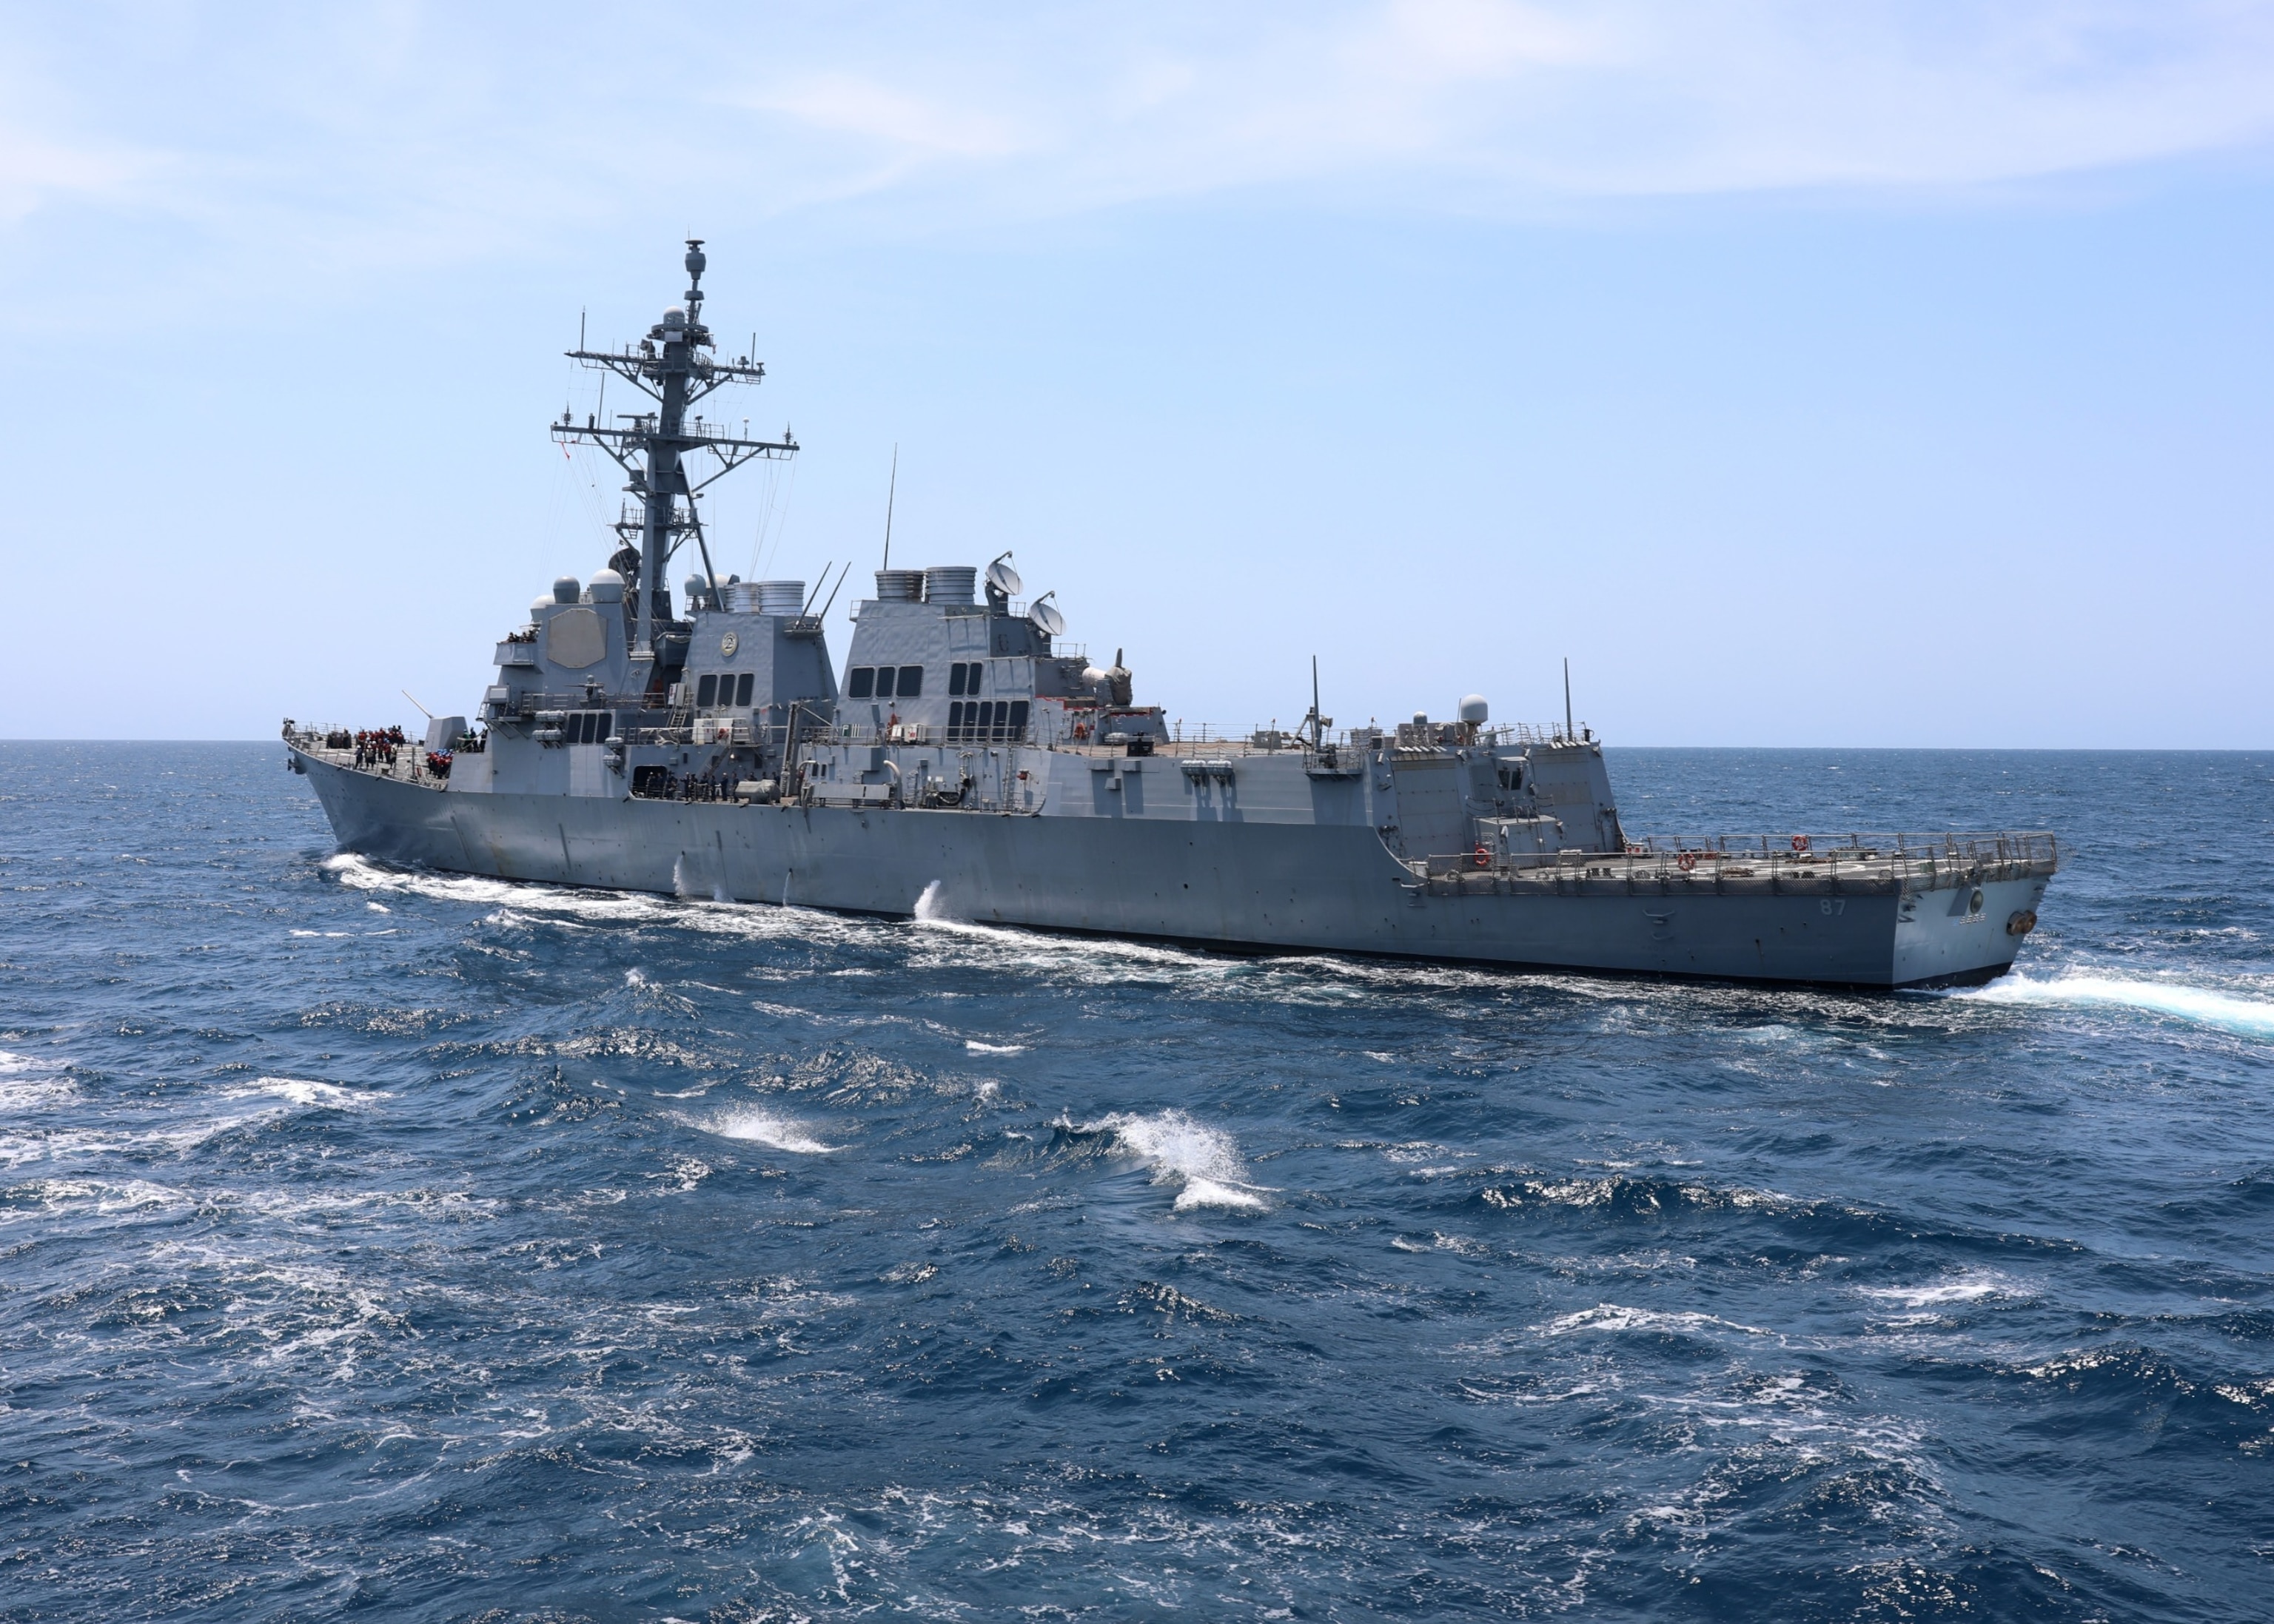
{"x": 742, "y": 685}
{"x": 707, "y": 691}
{"x": 1018, "y": 718}
{"x": 911, "y": 681}
{"x": 955, "y": 684}
{"x": 885, "y": 675}
{"x": 860, "y": 682}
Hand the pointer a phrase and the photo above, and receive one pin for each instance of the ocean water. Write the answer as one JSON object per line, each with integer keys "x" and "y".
{"x": 436, "y": 1248}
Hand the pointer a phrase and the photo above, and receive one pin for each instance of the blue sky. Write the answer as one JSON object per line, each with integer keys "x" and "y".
{"x": 1868, "y": 374}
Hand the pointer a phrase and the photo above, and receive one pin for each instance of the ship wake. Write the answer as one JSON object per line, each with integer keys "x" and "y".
{"x": 2252, "y": 1017}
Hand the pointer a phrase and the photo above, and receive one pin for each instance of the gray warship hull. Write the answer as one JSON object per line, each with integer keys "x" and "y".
{"x": 1932, "y": 916}
{"x": 973, "y": 762}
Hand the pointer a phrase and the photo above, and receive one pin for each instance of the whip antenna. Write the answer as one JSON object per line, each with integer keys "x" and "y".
{"x": 891, "y": 490}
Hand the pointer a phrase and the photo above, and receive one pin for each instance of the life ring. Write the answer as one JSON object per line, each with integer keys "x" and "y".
{"x": 1483, "y": 858}
{"x": 1687, "y": 861}
{"x": 1800, "y": 843}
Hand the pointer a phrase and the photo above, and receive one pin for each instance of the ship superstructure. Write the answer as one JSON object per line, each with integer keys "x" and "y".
{"x": 970, "y": 760}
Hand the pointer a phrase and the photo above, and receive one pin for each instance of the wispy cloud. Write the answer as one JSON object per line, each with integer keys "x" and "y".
{"x": 1523, "y": 100}
{"x": 34, "y": 171}
{"x": 396, "y": 130}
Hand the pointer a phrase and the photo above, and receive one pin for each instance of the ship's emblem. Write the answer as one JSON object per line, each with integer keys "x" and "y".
{"x": 728, "y": 644}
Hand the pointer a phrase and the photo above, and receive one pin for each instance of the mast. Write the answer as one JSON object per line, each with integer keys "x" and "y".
{"x": 671, "y": 367}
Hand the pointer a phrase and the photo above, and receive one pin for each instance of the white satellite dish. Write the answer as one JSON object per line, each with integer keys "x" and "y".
{"x": 1045, "y": 614}
{"x": 1003, "y": 578}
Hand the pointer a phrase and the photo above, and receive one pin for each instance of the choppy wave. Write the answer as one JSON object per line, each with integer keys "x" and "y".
{"x": 728, "y": 1261}
{"x": 27, "y": 1083}
{"x": 303, "y": 1091}
{"x": 756, "y": 1125}
{"x": 1613, "y": 1316}
{"x": 1960, "y": 1287}
{"x": 1203, "y": 1162}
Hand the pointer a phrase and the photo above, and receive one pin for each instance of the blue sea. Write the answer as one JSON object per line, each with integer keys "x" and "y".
{"x": 431, "y": 1248}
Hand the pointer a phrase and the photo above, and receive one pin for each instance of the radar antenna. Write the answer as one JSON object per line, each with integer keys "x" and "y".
{"x": 671, "y": 367}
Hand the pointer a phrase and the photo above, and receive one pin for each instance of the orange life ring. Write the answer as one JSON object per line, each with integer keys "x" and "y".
{"x": 1688, "y": 861}
{"x": 1800, "y": 843}
{"x": 1483, "y": 858}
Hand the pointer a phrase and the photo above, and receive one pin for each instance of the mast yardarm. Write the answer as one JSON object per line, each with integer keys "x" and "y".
{"x": 672, "y": 365}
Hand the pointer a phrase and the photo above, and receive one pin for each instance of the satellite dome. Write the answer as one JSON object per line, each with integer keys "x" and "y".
{"x": 539, "y": 605}
{"x": 1474, "y": 708}
{"x": 675, "y": 317}
{"x": 606, "y": 587}
{"x": 565, "y": 589}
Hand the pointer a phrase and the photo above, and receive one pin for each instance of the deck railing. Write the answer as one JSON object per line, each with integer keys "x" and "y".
{"x": 1706, "y": 858}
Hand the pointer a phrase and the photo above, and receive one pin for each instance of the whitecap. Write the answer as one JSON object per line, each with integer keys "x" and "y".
{"x": 301, "y": 1091}
{"x": 977, "y": 1047}
{"x": 1204, "y": 1161}
{"x": 2248, "y": 1017}
{"x": 1617, "y": 1317}
{"x": 26, "y": 1083}
{"x": 1198, "y": 1192}
{"x": 1966, "y": 1286}
{"x": 763, "y": 1127}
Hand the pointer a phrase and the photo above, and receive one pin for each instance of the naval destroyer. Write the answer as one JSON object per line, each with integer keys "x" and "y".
{"x": 969, "y": 762}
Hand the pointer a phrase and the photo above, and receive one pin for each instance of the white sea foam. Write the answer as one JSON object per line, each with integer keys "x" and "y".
{"x": 759, "y": 1126}
{"x": 301, "y": 1091}
{"x": 1617, "y": 1317}
{"x": 1204, "y": 1161}
{"x": 1966, "y": 1286}
{"x": 937, "y": 915}
{"x": 2248, "y": 1017}
{"x": 977, "y": 1047}
{"x": 27, "y": 1084}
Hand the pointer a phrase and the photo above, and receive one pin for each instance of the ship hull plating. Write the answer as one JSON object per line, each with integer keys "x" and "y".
{"x": 1247, "y": 886}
